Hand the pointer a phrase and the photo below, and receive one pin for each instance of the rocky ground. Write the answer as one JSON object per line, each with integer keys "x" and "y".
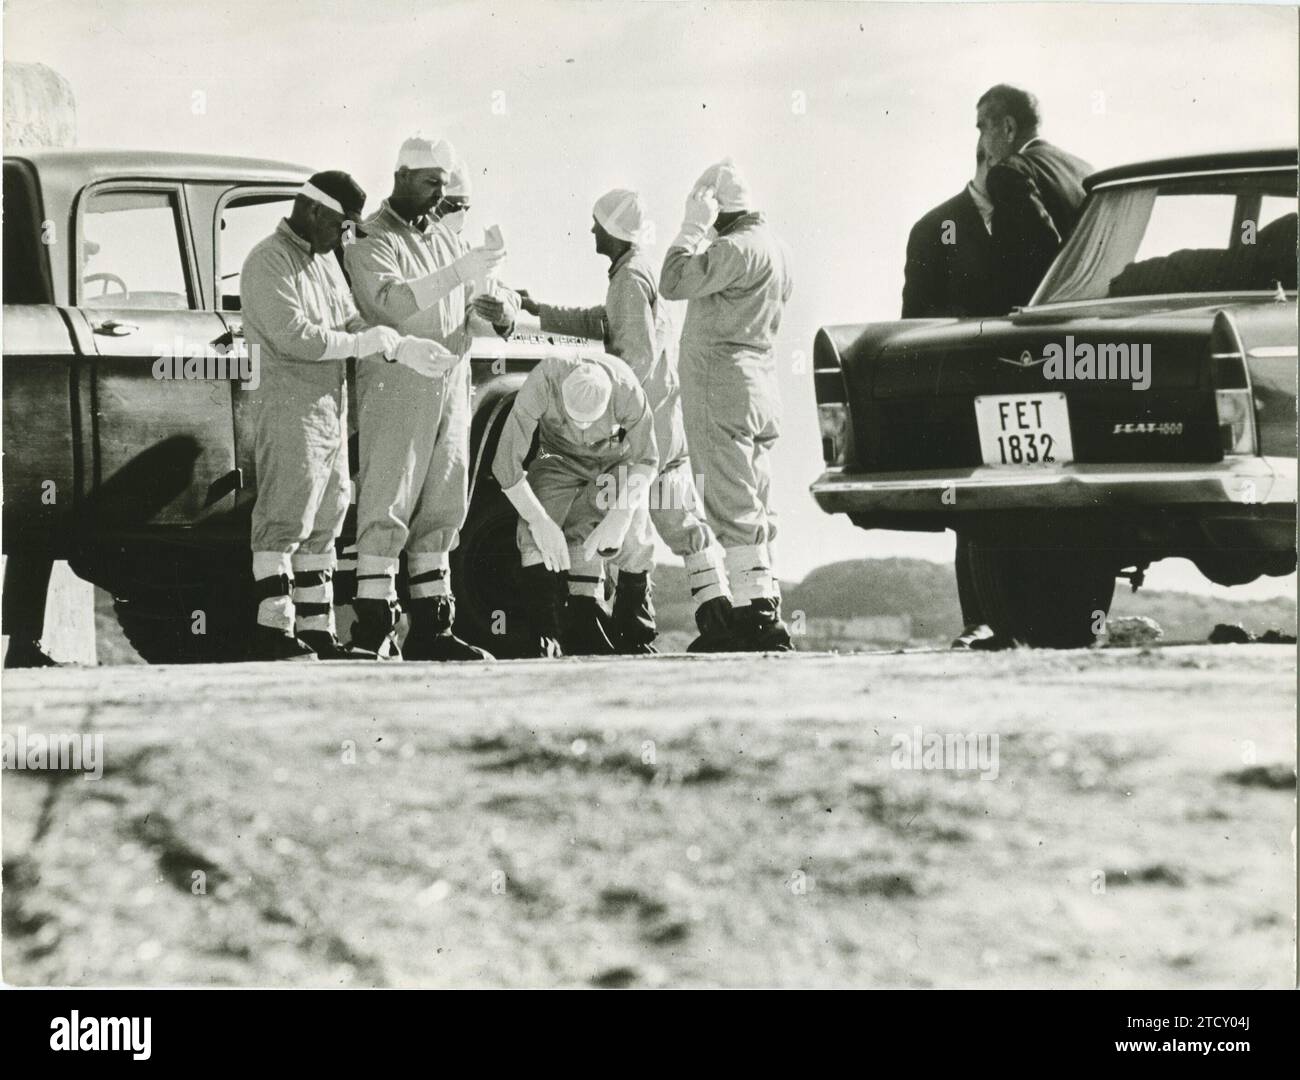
{"x": 663, "y": 821}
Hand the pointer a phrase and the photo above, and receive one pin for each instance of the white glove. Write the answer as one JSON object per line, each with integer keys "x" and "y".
{"x": 477, "y": 263}
{"x": 377, "y": 341}
{"x": 607, "y": 537}
{"x": 425, "y": 357}
{"x": 547, "y": 535}
{"x": 701, "y": 211}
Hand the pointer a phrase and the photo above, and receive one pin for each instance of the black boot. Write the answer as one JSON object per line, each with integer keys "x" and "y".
{"x": 759, "y": 627}
{"x": 24, "y": 653}
{"x": 328, "y": 647}
{"x": 714, "y": 619}
{"x": 430, "y": 637}
{"x": 542, "y": 599}
{"x": 584, "y": 628}
{"x": 271, "y": 644}
{"x": 374, "y": 632}
{"x": 634, "y": 614}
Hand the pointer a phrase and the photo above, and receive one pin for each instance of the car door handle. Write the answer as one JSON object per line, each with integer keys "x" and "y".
{"x": 224, "y": 485}
{"x": 113, "y": 328}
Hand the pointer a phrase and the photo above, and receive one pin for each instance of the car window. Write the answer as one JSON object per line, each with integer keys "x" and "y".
{"x": 1229, "y": 233}
{"x": 131, "y": 251}
{"x": 1181, "y": 221}
{"x": 243, "y": 222}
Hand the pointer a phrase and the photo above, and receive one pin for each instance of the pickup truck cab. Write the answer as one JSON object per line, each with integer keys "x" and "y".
{"x": 1142, "y": 406}
{"x": 146, "y": 484}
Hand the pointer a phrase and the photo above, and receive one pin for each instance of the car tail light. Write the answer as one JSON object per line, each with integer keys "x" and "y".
{"x": 1233, "y": 399}
{"x": 1236, "y": 421}
{"x": 834, "y": 420}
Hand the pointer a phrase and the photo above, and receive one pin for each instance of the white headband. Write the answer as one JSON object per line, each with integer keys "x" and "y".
{"x": 314, "y": 193}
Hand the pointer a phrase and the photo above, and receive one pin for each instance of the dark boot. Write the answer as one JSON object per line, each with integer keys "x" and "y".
{"x": 634, "y": 614}
{"x": 431, "y": 637}
{"x": 24, "y": 653}
{"x": 542, "y": 600}
{"x": 584, "y": 628}
{"x": 328, "y": 647}
{"x": 375, "y": 629}
{"x": 714, "y": 619}
{"x": 759, "y": 627}
{"x": 271, "y": 644}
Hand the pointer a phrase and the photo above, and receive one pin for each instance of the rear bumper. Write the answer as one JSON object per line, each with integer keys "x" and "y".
{"x": 1259, "y": 482}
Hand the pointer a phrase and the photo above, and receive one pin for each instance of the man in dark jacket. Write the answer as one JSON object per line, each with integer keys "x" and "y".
{"x": 949, "y": 274}
{"x": 1036, "y": 190}
{"x": 949, "y": 270}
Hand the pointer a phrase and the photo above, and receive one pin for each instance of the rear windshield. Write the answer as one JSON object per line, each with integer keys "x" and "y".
{"x": 26, "y": 269}
{"x": 1192, "y": 235}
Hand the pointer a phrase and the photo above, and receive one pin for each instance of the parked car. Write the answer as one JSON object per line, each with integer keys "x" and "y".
{"x": 145, "y": 485}
{"x": 1062, "y": 484}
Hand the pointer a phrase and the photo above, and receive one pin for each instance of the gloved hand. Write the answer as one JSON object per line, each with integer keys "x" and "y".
{"x": 607, "y": 537}
{"x": 527, "y": 302}
{"x": 547, "y": 535}
{"x": 701, "y": 212}
{"x": 477, "y": 263}
{"x": 491, "y": 308}
{"x": 425, "y": 357}
{"x": 377, "y": 341}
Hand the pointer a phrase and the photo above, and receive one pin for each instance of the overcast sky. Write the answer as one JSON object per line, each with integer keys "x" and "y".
{"x": 851, "y": 120}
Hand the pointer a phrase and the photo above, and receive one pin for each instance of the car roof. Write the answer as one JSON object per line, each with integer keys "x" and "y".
{"x": 1223, "y": 161}
{"x": 74, "y": 167}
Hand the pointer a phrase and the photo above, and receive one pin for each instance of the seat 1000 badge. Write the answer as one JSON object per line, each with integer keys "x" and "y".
{"x": 1174, "y": 427}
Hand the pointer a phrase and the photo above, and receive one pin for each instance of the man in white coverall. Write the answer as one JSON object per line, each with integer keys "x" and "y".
{"x": 636, "y": 325}
{"x": 299, "y": 315}
{"x": 595, "y": 461}
{"x": 413, "y": 274}
{"x": 737, "y": 287}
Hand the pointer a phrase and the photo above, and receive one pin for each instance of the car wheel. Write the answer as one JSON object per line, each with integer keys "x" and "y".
{"x": 486, "y": 579}
{"x": 1047, "y": 597}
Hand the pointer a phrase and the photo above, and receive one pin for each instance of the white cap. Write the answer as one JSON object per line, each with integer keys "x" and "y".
{"x": 586, "y": 392}
{"x": 731, "y": 189}
{"x": 622, "y": 214}
{"x": 418, "y": 153}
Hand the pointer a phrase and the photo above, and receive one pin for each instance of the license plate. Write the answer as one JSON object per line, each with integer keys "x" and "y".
{"x": 1025, "y": 430}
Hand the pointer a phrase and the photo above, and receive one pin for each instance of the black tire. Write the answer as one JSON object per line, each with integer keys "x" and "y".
{"x": 487, "y": 580}
{"x": 1046, "y": 597}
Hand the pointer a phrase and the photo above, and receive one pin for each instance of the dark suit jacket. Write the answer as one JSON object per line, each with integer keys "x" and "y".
{"x": 949, "y": 270}
{"x": 1036, "y": 196}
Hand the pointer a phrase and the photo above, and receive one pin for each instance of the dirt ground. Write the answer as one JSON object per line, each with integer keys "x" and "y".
{"x": 664, "y": 821}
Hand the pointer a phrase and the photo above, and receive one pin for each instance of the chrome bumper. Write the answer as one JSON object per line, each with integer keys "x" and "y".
{"x": 1241, "y": 481}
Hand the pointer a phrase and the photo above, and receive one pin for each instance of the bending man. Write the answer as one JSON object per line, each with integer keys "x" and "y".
{"x": 595, "y": 461}
{"x": 636, "y": 325}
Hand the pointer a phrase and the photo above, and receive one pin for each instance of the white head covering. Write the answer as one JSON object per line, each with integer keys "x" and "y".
{"x": 418, "y": 153}
{"x": 586, "y": 392}
{"x": 731, "y": 189}
{"x": 622, "y": 214}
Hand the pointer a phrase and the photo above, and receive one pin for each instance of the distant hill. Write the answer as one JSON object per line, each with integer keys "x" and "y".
{"x": 913, "y": 601}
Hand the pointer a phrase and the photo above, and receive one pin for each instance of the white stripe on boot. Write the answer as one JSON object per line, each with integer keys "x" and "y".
{"x": 376, "y": 578}
{"x": 750, "y": 576}
{"x": 425, "y": 562}
{"x": 705, "y": 575}
{"x": 275, "y": 612}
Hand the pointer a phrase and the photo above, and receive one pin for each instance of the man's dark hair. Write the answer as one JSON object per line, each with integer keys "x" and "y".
{"x": 1018, "y": 104}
